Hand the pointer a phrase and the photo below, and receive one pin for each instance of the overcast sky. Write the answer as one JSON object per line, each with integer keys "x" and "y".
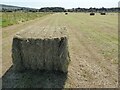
{"x": 62, "y": 3}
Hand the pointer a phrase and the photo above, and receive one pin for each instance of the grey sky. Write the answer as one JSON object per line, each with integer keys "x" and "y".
{"x": 62, "y": 3}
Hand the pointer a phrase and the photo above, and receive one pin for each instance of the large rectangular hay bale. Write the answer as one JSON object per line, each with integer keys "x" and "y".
{"x": 92, "y": 14}
{"x": 103, "y": 13}
{"x": 41, "y": 49}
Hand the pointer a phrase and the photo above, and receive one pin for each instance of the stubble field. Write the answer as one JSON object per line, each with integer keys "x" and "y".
{"x": 93, "y": 48}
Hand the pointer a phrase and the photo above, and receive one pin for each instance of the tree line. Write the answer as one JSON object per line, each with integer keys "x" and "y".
{"x": 94, "y": 9}
{"x": 57, "y": 9}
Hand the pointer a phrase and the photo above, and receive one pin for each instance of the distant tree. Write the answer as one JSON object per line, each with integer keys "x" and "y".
{"x": 52, "y": 9}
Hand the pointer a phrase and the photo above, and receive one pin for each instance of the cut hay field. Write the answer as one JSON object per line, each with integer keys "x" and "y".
{"x": 93, "y": 48}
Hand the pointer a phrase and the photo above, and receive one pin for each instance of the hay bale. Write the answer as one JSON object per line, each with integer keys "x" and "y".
{"x": 92, "y": 14}
{"x": 103, "y": 13}
{"x": 66, "y": 13}
{"x": 41, "y": 49}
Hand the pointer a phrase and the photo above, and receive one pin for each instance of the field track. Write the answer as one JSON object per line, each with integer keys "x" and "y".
{"x": 93, "y": 47}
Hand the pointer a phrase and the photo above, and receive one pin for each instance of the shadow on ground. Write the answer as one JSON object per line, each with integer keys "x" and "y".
{"x": 33, "y": 79}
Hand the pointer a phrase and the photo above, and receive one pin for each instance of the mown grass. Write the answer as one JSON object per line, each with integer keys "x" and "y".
{"x": 96, "y": 32}
{"x": 11, "y": 18}
{"x": 102, "y": 31}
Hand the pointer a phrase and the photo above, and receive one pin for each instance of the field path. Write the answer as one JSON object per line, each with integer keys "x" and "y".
{"x": 93, "y": 44}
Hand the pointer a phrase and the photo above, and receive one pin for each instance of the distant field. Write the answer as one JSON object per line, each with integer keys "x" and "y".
{"x": 0, "y": 19}
{"x": 11, "y": 18}
{"x": 93, "y": 47}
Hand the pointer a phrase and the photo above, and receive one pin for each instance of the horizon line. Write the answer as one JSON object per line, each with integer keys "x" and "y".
{"x": 56, "y": 6}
